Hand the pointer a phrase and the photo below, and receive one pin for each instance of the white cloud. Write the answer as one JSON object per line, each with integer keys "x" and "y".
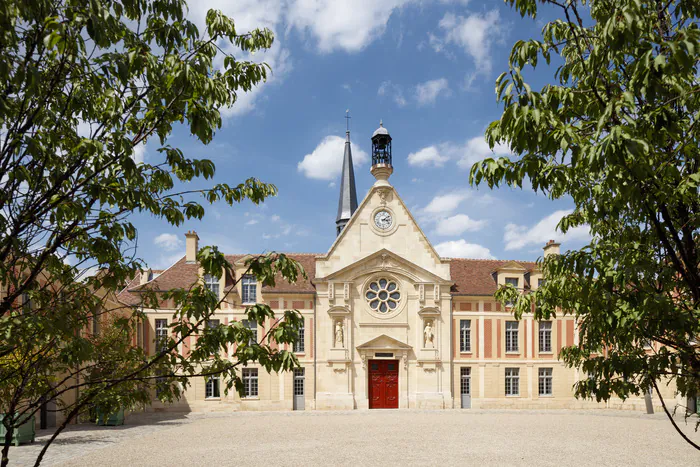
{"x": 387, "y": 88}
{"x": 444, "y": 204}
{"x": 429, "y": 156}
{"x": 428, "y": 92}
{"x": 331, "y": 185}
{"x": 248, "y": 15}
{"x": 342, "y": 25}
{"x": 347, "y": 87}
{"x": 139, "y": 154}
{"x": 457, "y": 225}
{"x": 461, "y": 249}
{"x": 466, "y": 154}
{"x": 252, "y": 222}
{"x": 168, "y": 242}
{"x": 275, "y": 218}
{"x": 475, "y": 34}
{"x": 475, "y": 150}
{"x": 326, "y": 160}
{"x": 520, "y": 236}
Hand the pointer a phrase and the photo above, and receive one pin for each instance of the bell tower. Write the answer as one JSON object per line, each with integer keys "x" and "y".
{"x": 381, "y": 155}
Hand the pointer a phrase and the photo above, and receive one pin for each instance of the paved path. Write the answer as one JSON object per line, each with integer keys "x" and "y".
{"x": 406, "y": 437}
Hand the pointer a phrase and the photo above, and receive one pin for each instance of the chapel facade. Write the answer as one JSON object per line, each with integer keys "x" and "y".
{"x": 388, "y": 323}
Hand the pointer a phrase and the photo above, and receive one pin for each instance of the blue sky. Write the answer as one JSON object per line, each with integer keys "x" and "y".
{"x": 426, "y": 68}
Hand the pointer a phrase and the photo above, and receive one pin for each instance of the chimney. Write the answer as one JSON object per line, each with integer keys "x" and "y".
{"x": 551, "y": 248}
{"x": 191, "y": 246}
{"x": 145, "y": 276}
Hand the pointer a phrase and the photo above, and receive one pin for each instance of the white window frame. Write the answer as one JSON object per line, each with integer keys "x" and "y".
{"x": 465, "y": 380}
{"x": 250, "y": 383}
{"x": 465, "y": 335}
{"x": 512, "y": 331}
{"x": 512, "y": 381}
{"x": 161, "y": 327}
{"x": 514, "y": 281}
{"x": 253, "y": 326}
{"x": 545, "y": 337}
{"x": 299, "y": 381}
{"x": 545, "y": 381}
{"x": 300, "y": 344}
{"x": 212, "y": 283}
{"x": 249, "y": 290}
{"x": 212, "y": 387}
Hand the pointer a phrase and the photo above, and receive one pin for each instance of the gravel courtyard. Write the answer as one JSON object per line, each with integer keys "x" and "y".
{"x": 595, "y": 438}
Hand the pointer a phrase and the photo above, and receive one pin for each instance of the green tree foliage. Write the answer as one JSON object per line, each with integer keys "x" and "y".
{"x": 617, "y": 133}
{"x": 83, "y": 85}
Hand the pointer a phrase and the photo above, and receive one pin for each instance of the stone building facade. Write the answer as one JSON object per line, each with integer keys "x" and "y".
{"x": 388, "y": 322}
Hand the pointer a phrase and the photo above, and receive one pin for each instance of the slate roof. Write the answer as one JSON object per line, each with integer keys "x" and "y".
{"x": 470, "y": 277}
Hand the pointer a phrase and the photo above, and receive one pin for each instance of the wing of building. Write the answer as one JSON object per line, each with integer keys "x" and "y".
{"x": 388, "y": 322}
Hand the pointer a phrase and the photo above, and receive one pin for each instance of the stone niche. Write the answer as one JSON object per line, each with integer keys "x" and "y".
{"x": 338, "y": 353}
{"x": 428, "y": 355}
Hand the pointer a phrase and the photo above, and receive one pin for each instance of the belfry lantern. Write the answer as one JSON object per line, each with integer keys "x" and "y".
{"x": 381, "y": 146}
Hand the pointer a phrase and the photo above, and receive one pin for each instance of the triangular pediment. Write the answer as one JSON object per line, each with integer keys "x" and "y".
{"x": 512, "y": 266}
{"x": 385, "y": 260}
{"x": 383, "y": 342}
{"x": 362, "y": 236}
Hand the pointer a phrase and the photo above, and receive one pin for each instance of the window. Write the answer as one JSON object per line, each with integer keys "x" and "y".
{"x": 545, "y": 336}
{"x": 299, "y": 344}
{"x": 26, "y": 303}
{"x": 383, "y": 295}
{"x": 250, "y": 382}
{"x": 161, "y": 335}
{"x": 514, "y": 282}
{"x": 465, "y": 380}
{"x": 96, "y": 323}
{"x": 511, "y": 336}
{"x": 512, "y": 381}
{"x": 253, "y": 327}
{"x": 545, "y": 383}
{"x": 212, "y": 388}
{"x": 139, "y": 334}
{"x": 161, "y": 385}
{"x": 249, "y": 289}
{"x": 212, "y": 283}
{"x": 465, "y": 338}
{"x": 298, "y": 381}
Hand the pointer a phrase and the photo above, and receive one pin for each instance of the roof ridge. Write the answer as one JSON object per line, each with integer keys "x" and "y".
{"x": 160, "y": 274}
{"x": 282, "y": 252}
{"x": 486, "y": 259}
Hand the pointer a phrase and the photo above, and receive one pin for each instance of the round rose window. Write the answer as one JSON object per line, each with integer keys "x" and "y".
{"x": 383, "y": 295}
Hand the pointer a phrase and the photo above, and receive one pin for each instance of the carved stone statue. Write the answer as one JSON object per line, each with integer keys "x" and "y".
{"x": 339, "y": 334}
{"x": 429, "y": 335}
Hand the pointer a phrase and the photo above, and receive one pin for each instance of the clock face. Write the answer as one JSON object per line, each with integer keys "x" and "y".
{"x": 383, "y": 220}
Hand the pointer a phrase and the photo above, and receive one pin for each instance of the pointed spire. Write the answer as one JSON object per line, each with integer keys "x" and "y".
{"x": 347, "y": 204}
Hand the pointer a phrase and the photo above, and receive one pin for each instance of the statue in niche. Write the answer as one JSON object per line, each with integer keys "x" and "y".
{"x": 428, "y": 335}
{"x": 339, "y": 334}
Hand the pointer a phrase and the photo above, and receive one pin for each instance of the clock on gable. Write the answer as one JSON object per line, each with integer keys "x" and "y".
{"x": 383, "y": 220}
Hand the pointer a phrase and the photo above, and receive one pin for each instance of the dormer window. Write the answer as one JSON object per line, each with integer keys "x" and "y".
{"x": 249, "y": 288}
{"x": 514, "y": 282}
{"x": 212, "y": 283}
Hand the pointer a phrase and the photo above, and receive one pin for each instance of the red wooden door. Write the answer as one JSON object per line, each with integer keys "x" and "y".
{"x": 383, "y": 384}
